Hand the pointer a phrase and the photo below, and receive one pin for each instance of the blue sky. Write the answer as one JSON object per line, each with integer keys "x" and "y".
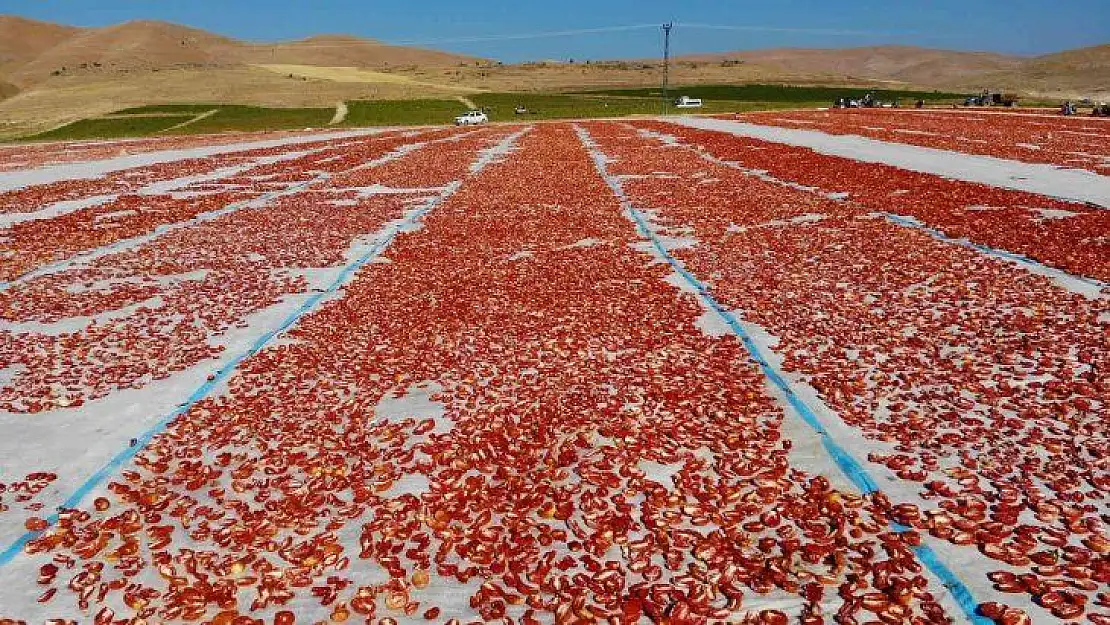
{"x": 1012, "y": 26}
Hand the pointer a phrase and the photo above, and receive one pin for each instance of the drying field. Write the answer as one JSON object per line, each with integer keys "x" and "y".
{"x": 685, "y": 371}
{"x": 39, "y": 155}
{"x": 1076, "y": 142}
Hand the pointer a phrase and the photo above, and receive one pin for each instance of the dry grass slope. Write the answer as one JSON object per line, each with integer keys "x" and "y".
{"x": 1074, "y": 73}
{"x": 22, "y": 40}
{"x": 7, "y": 90}
{"x": 346, "y": 51}
{"x": 918, "y": 66}
{"x": 36, "y": 52}
{"x": 127, "y": 48}
{"x": 360, "y": 76}
{"x": 51, "y": 75}
{"x": 1085, "y": 71}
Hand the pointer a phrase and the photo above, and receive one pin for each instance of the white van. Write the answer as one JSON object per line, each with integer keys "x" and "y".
{"x": 686, "y": 102}
{"x": 471, "y": 118}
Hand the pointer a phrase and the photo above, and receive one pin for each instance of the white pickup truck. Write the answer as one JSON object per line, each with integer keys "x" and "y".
{"x": 471, "y": 118}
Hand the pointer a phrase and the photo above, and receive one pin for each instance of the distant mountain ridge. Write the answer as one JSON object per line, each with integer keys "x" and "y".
{"x": 903, "y": 63}
{"x": 32, "y": 51}
{"x": 22, "y": 39}
{"x": 1084, "y": 68}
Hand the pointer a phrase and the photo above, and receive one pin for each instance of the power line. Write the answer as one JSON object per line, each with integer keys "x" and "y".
{"x": 590, "y": 31}
{"x": 532, "y": 35}
{"x": 801, "y": 31}
{"x": 630, "y": 27}
{"x": 666, "y": 61}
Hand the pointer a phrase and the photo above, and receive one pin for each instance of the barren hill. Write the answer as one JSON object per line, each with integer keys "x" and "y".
{"x": 1073, "y": 73}
{"x": 918, "y": 66}
{"x": 51, "y": 74}
{"x": 21, "y": 40}
{"x": 1085, "y": 71}
{"x": 7, "y": 90}
{"x": 37, "y": 51}
{"x": 346, "y": 51}
{"x": 128, "y": 47}
{"x": 1095, "y": 57}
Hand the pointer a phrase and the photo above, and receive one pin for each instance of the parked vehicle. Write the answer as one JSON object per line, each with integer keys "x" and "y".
{"x": 686, "y": 102}
{"x": 986, "y": 98}
{"x": 471, "y": 118}
{"x": 866, "y": 102}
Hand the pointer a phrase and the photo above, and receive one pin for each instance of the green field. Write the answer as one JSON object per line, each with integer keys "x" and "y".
{"x": 155, "y": 119}
{"x": 184, "y": 109}
{"x": 402, "y": 112}
{"x": 501, "y": 106}
{"x": 781, "y": 93}
{"x": 250, "y": 118}
{"x": 152, "y": 120}
{"x": 540, "y": 106}
{"x": 111, "y": 128}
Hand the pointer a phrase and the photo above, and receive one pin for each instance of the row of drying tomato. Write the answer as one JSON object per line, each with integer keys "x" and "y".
{"x": 163, "y": 305}
{"x": 1065, "y": 235}
{"x": 1074, "y": 143}
{"x": 983, "y": 386}
{"x": 30, "y": 156}
{"x": 135, "y": 179}
{"x": 32, "y": 244}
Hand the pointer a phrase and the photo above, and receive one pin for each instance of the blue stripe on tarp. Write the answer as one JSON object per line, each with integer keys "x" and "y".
{"x": 144, "y": 439}
{"x": 851, "y": 467}
{"x": 910, "y": 222}
{"x": 844, "y": 459}
{"x": 900, "y": 220}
